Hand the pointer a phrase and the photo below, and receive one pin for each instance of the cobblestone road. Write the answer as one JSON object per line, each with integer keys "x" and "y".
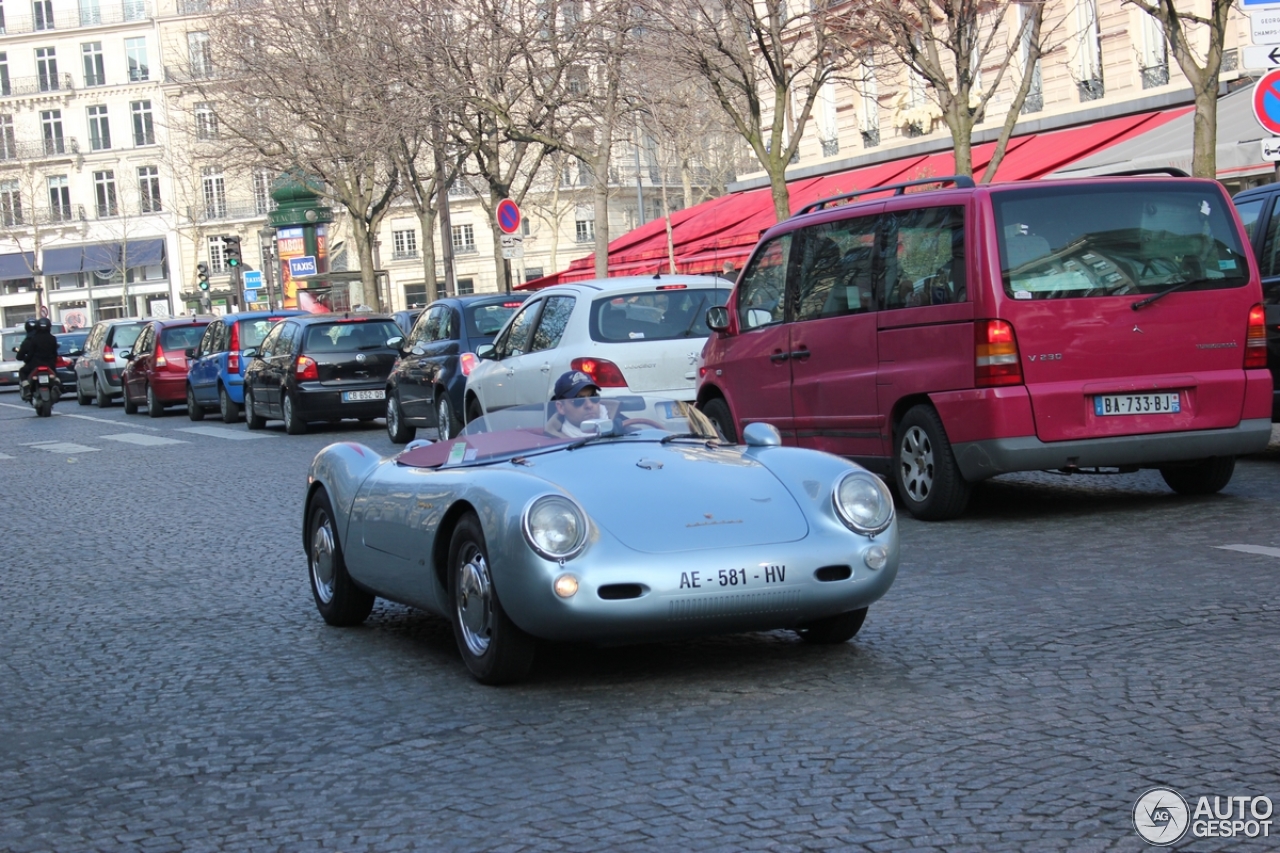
{"x": 167, "y": 685}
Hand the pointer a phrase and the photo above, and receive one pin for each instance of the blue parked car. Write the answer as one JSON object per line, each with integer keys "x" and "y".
{"x": 215, "y": 368}
{"x": 425, "y": 388}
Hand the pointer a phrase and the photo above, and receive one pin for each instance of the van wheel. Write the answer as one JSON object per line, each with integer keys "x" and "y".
{"x": 928, "y": 480}
{"x": 1206, "y": 477}
{"x": 717, "y": 411}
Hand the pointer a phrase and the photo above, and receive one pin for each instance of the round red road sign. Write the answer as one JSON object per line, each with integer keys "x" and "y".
{"x": 508, "y": 214}
{"x": 1266, "y": 101}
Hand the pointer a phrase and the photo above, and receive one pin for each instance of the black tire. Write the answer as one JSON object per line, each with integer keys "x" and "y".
{"x": 293, "y": 424}
{"x": 493, "y": 648}
{"x": 717, "y": 411}
{"x": 102, "y": 398}
{"x": 82, "y": 398}
{"x": 44, "y": 407}
{"x": 194, "y": 410}
{"x": 130, "y": 407}
{"x": 251, "y": 417}
{"x": 474, "y": 410}
{"x": 833, "y": 630}
{"x": 1206, "y": 477}
{"x": 397, "y": 430}
{"x": 448, "y": 424}
{"x": 337, "y": 597}
{"x": 230, "y": 411}
{"x": 925, "y": 474}
{"x": 155, "y": 408}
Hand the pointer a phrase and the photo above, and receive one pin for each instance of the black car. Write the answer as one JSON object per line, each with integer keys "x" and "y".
{"x": 1259, "y": 209}
{"x": 406, "y": 319}
{"x": 70, "y": 345}
{"x": 425, "y": 389}
{"x": 320, "y": 367}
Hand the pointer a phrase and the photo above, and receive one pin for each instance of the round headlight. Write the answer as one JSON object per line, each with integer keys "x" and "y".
{"x": 555, "y": 527}
{"x": 863, "y": 502}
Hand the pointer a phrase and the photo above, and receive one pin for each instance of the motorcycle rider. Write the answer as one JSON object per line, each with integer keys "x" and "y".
{"x": 39, "y": 349}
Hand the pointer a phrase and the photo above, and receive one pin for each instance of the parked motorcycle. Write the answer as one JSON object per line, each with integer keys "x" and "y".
{"x": 45, "y": 390}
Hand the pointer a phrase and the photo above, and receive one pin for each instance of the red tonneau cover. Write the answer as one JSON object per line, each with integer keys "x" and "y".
{"x": 485, "y": 445}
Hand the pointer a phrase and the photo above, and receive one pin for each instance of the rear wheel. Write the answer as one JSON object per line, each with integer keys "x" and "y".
{"x": 44, "y": 406}
{"x": 717, "y": 411}
{"x": 194, "y": 410}
{"x": 474, "y": 410}
{"x": 1206, "y": 477}
{"x": 398, "y": 431}
{"x": 840, "y": 628}
{"x": 130, "y": 407}
{"x": 154, "y": 407}
{"x": 230, "y": 411}
{"x": 494, "y": 649}
{"x": 101, "y": 395}
{"x": 338, "y": 599}
{"x": 928, "y": 480}
{"x": 446, "y": 421}
{"x": 293, "y": 424}
{"x": 251, "y": 417}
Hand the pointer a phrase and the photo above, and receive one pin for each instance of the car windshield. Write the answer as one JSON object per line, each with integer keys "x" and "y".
{"x": 484, "y": 320}
{"x": 181, "y": 337}
{"x": 350, "y": 336}
{"x": 676, "y": 311}
{"x": 1111, "y": 240}
{"x": 70, "y": 341}
{"x": 521, "y": 430}
{"x": 124, "y": 336}
{"x": 12, "y": 340}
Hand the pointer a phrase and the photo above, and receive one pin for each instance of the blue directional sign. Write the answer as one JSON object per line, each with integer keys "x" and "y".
{"x": 252, "y": 279}
{"x": 305, "y": 265}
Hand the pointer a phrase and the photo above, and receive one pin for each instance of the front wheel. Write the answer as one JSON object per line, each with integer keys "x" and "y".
{"x": 1206, "y": 477}
{"x": 397, "y": 430}
{"x": 494, "y": 649}
{"x": 293, "y": 424}
{"x": 446, "y": 421}
{"x": 338, "y": 599}
{"x": 717, "y": 411}
{"x": 833, "y": 630}
{"x": 251, "y": 417}
{"x": 194, "y": 410}
{"x": 474, "y": 410}
{"x": 924, "y": 469}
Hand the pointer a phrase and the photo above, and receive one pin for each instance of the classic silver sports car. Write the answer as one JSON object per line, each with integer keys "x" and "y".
{"x": 644, "y": 527}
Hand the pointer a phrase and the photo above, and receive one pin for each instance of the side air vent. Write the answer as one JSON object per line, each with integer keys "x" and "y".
{"x": 833, "y": 573}
{"x": 618, "y": 591}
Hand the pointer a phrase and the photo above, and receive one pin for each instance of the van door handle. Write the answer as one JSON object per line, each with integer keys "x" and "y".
{"x": 800, "y": 353}
{"x": 779, "y": 356}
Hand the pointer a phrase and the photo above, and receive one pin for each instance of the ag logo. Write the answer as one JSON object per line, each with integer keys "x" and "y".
{"x": 1161, "y": 816}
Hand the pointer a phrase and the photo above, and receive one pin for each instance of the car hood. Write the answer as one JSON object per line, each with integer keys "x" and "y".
{"x": 663, "y": 499}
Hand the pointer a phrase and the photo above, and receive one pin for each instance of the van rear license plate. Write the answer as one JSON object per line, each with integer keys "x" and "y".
{"x": 1137, "y": 404}
{"x": 357, "y": 396}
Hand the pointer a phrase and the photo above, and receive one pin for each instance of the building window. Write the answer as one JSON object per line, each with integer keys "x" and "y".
{"x": 59, "y": 199}
{"x": 585, "y": 230}
{"x": 215, "y": 193}
{"x": 405, "y": 245}
{"x": 99, "y": 129}
{"x": 199, "y": 53}
{"x": 135, "y": 10}
{"x": 415, "y": 295}
{"x": 149, "y": 189}
{"x": 464, "y": 239}
{"x": 10, "y": 204}
{"x": 217, "y": 260}
{"x": 8, "y": 143}
{"x": 135, "y": 52}
{"x": 263, "y": 203}
{"x": 90, "y": 13}
{"x": 466, "y": 286}
{"x": 1090, "y": 51}
{"x": 94, "y": 71}
{"x": 5, "y": 89}
{"x": 47, "y": 69}
{"x": 104, "y": 194}
{"x": 206, "y": 121}
{"x": 1155, "y": 54}
{"x": 1035, "y": 95}
{"x": 51, "y": 128}
{"x": 42, "y": 14}
{"x": 870, "y": 91}
{"x": 530, "y": 273}
{"x": 144, "y": 131}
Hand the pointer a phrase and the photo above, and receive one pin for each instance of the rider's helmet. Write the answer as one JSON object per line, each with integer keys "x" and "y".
{"x": 30, "y": 325}
{"x": 43, "y": 324}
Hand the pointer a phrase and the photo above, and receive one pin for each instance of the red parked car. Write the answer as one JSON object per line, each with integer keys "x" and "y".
{"x": 156, "y": 375}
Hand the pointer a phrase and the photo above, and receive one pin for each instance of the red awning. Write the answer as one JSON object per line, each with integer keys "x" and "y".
{"x": 726, "y": 229}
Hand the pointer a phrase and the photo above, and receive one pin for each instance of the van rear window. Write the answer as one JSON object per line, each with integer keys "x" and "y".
{"x": 1141, "y": 238}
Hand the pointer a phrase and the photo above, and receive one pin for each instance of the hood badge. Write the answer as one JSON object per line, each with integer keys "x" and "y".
{"x": 711, "y": 522}
{"x": 649, "y": 464}
{"x": 361, "y": 358}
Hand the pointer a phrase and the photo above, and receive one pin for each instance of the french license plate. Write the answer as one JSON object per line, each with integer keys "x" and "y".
{"x": 43, "y": 379}
{"x": 753, "y": 577}
{"x": 358, "y": 396}
{"x": 1137, "y": 404}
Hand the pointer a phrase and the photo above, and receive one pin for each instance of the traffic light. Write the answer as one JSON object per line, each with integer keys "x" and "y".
{"x": 202, "y": 275}
{"x": 231, "y": 251}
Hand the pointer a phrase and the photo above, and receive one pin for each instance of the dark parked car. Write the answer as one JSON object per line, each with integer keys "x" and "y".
{"x": 406, "y": 319}
{"x": 70, "y": 345}
{"x": 1259, "y": 208}
{"x": 100, "y": 366}
{"x": 321, "y": 367}
{"x": 215, "y": 374}
{"x": 156, "y": 375}
{"x": 426, "y": 387}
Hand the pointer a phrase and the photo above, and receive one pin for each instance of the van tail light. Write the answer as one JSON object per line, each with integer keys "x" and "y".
{"x": 306, "y": 369}
{"x": 468, "y": 363}
{"x": 602, "y": 372}
{"x": 233, "y": 356}
{"x": 1255, "y": 340}
{"x": 996, "y": 349}
{"x": 108, "y": 355}
{"x": 161, "y": 361}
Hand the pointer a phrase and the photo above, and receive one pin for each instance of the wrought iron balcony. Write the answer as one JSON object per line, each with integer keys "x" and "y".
{"x": 405, "y": 255}
{"x": 830, "y": 147}
{"x": 61, "y": 146}
{"x": 25, "y": 87}
{"x": 72, "y": 213}
{"x": 70, "y": 19}
{"x": 870, "y": 137}
{"x": 189, "y": 72}
{"x": 1091, "y": 90}
{"x": 1156, "y": 75}
{"x": 224, "y": 212}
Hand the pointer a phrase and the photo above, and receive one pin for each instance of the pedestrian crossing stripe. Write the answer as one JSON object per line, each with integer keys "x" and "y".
{"x": 1251, "y": 549}
{"x": 141, "y": 439}
{"x": 225, "y": 432}
{"x": 62, "y": 447}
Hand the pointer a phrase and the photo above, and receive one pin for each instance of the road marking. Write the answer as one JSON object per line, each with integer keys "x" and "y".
{"x": 1251, "y": 549}
{"x": 144, "y": 440}
{"x": 7, "y": 456}
{"x": 58, "y": 414}
{"x": 225, "y": 432}
{"x": 61, "y": 447}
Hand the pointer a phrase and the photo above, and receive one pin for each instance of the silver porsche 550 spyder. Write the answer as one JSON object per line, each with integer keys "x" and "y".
{"x": 638, "y": 525}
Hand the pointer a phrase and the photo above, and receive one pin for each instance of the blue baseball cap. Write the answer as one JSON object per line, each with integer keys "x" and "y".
{"x": 570, "y": 385}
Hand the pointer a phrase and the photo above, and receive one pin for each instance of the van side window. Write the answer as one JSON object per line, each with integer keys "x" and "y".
{"x": 1249, "y": 211}
{"x": 762, "y": 296}
{"x": 924, "y": 257}
{"x": 837, "y": 269}
{"x": 1269, "y": 259}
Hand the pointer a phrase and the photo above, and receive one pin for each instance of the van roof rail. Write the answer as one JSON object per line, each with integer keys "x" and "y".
{"x": 1171, "y": 171}
{"x": 960, "y": 181}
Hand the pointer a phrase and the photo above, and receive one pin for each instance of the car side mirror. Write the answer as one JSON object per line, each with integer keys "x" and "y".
{"x": 126, "y": 354}
{"x": 486, "y": 352}
{"x": 251, "y": 352}
{"x": 760, "y": 434}
{"x": 189, "y": 352}
{"x": 396, "y": 343}
{"x": 418, "y": 349}
{"x": 718, "y": 318}
{"x": 74, "y": 351}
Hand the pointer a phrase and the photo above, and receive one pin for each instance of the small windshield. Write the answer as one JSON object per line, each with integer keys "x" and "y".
{"x": 520, "y": 430}
{"x": 661, "y": 315}
{"x": 124, "y": 336}
{"x": 486, "y": 319}
{"x": 253, "y": 331}
{"x": 1112, "y": 240}
{"x": 181, "y": 337}
{"x": 70, "y": 341}
{"x": 346, "y": 336}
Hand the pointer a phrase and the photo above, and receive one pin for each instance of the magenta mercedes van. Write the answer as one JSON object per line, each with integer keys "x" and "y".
{"x": 943, "y": 337}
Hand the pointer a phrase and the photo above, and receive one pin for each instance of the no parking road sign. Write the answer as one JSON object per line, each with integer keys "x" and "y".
{"x": 508, "y": 214}
{"x": 1266, "y": 101}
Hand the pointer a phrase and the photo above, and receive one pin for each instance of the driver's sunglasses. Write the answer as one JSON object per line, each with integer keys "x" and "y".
{"x": 579, "y": 402}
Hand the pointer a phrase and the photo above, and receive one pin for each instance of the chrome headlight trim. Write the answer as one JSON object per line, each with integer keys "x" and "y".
{"x": 580, "y": 519}
{"x": 883, "y": 514}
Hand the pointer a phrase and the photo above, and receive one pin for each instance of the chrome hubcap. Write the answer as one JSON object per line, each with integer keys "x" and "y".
{"x": 248, "y": 406}
{"x": 288, "y": 410}
{"x": 916, "y": 462}
{"x": 393, "y": 416}
{"x": 442, "y": 418}
{"x": 475, "y": 604}
{"x": 322, "y": 558}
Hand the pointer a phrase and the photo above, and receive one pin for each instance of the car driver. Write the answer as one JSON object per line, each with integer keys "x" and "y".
{"x": 576, "y": 399}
